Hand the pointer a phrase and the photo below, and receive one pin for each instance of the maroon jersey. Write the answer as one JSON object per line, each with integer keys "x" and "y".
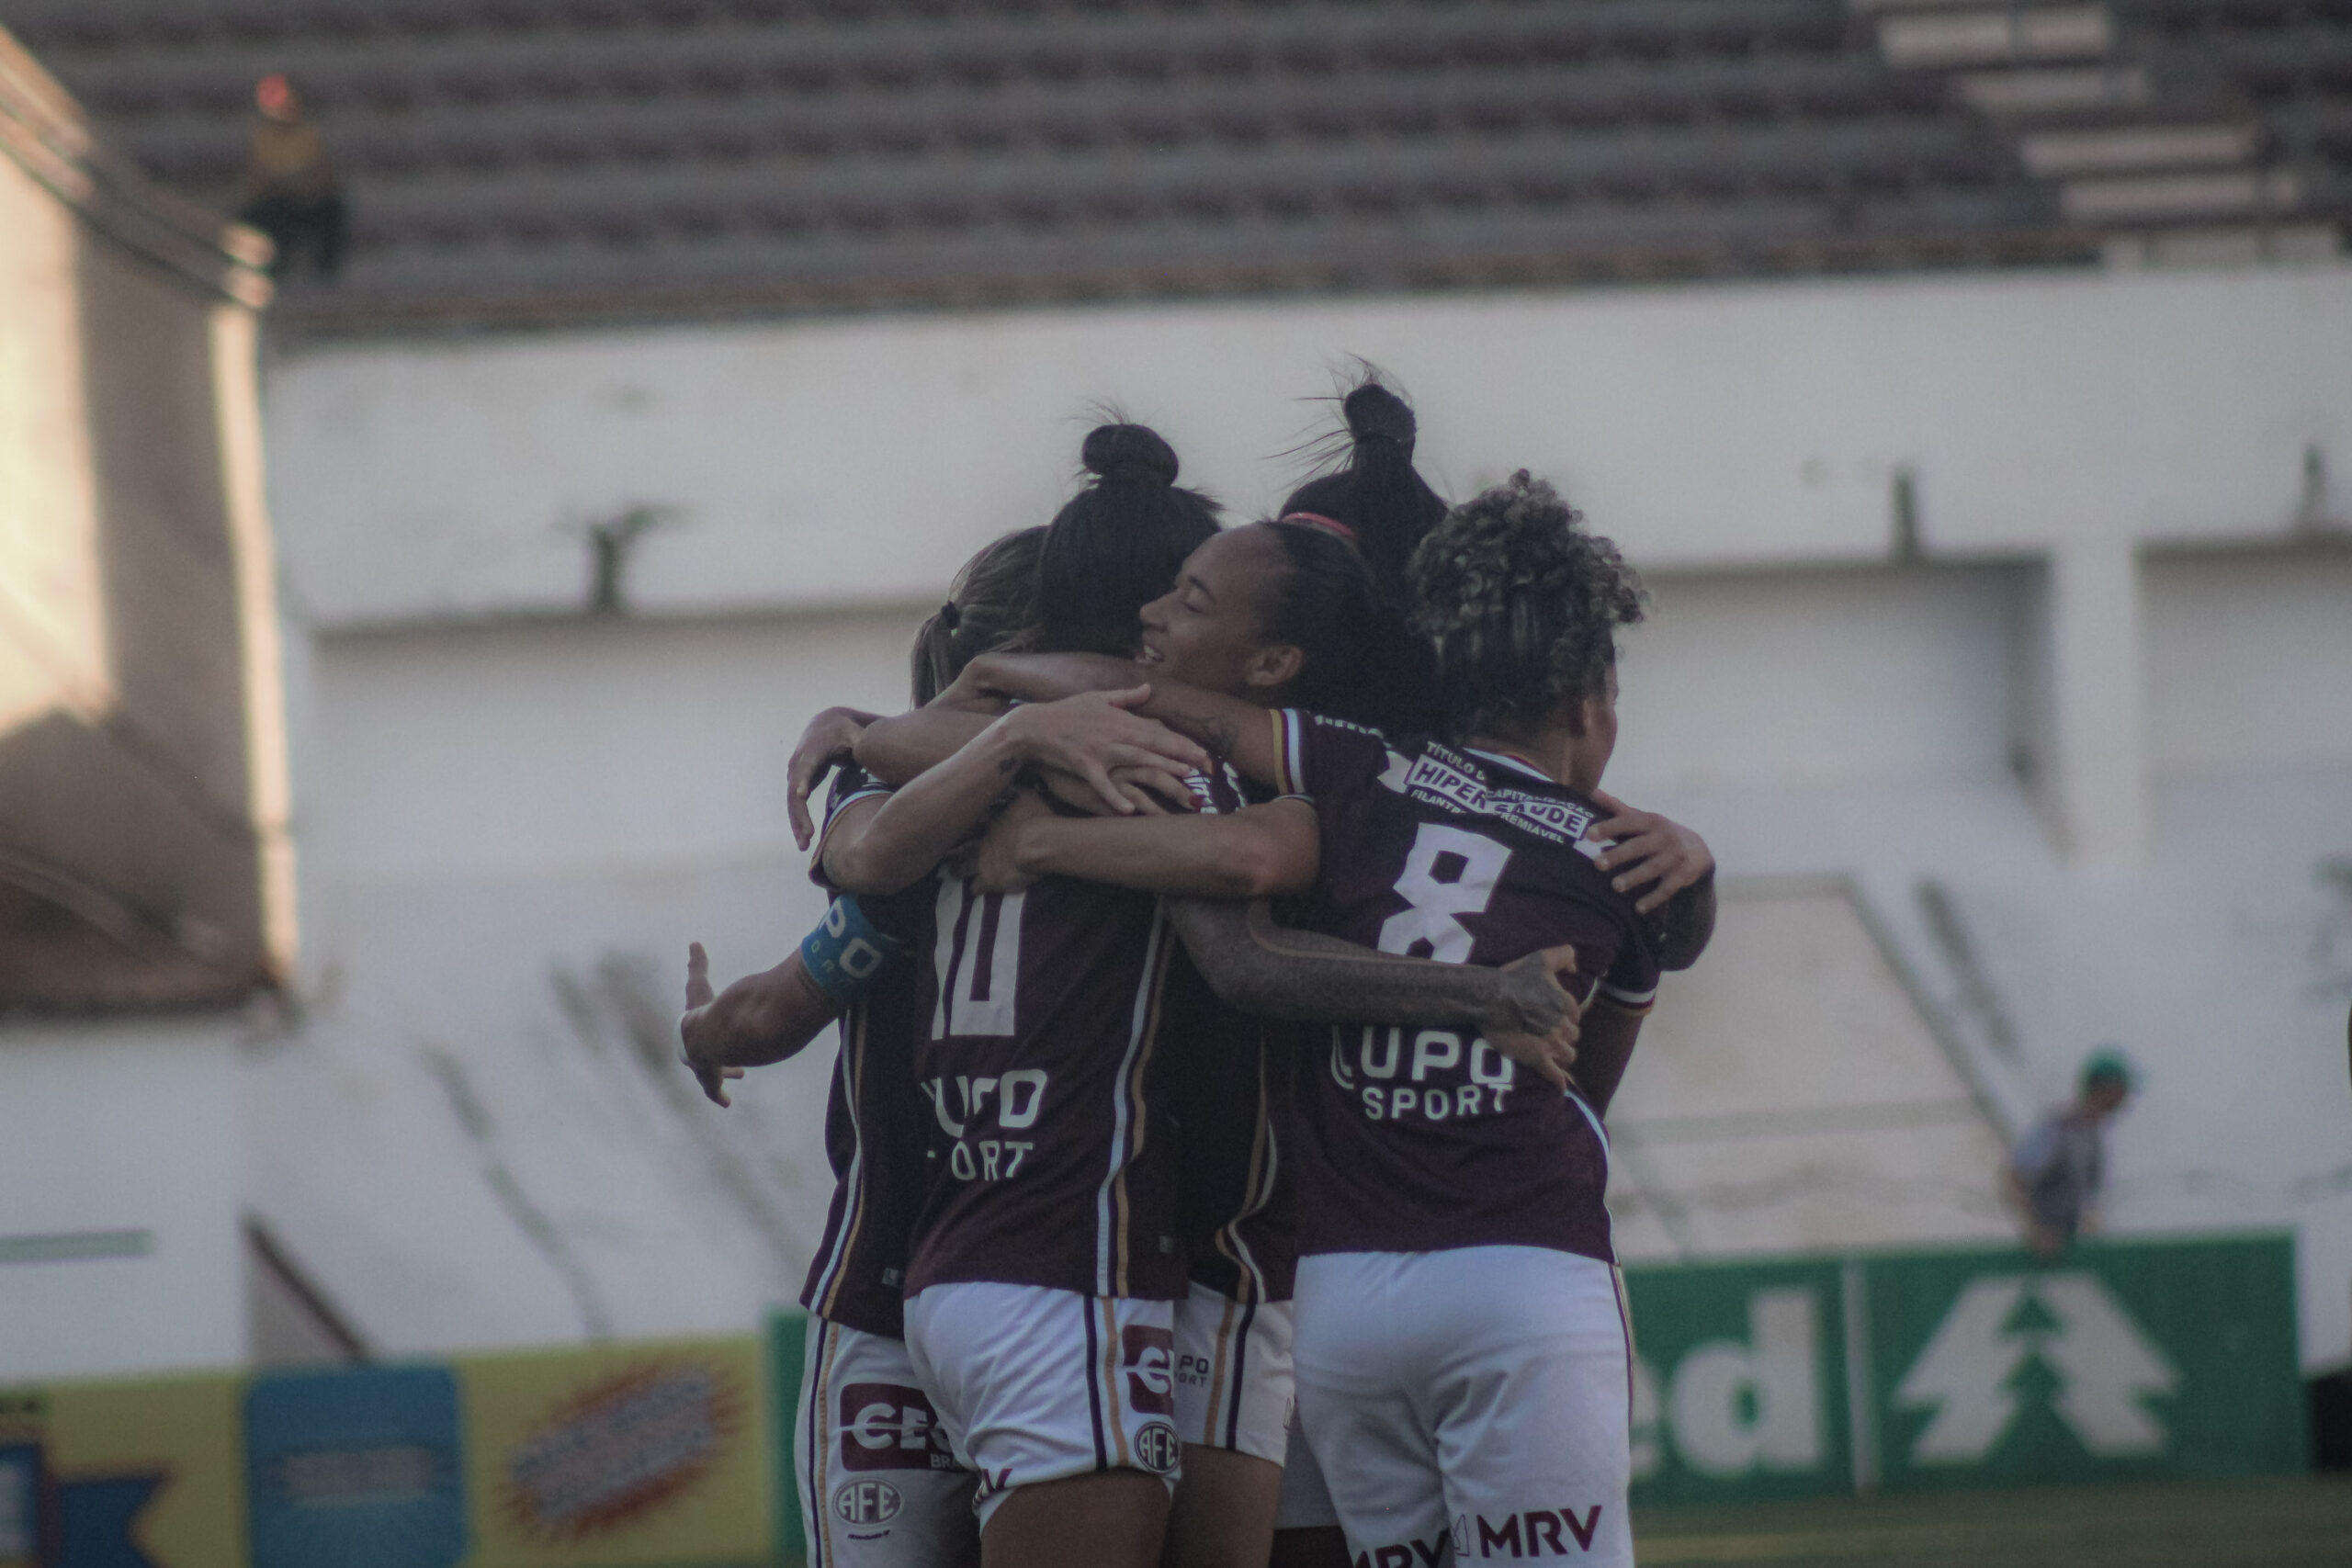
{"x": 875, "y": 1122}
{"x": 1421, "y": 1140}
{"x": 1044, "y": 1063}
{"x": 1232, "y": 1098}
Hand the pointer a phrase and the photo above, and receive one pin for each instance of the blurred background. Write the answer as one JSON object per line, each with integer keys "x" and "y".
{"x": 403, "y": 633}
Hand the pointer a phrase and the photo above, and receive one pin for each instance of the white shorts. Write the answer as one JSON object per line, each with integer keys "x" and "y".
{"x": 1033, "y": 1384}
{"x": 1306, "y": 1502}
{"x": 1479, "y": 1394}
{"x": 1233, "y": 1377}
{"x": 879, "y": 1486}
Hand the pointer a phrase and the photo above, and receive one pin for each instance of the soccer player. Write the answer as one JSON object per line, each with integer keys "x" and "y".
{"x": 1038, "y": 1295}
{"x": 1461, "y": 1352}
{"x": 878, "y": 1484}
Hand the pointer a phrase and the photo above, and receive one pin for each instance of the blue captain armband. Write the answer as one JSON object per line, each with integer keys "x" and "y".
{"x": 847, "y": 951}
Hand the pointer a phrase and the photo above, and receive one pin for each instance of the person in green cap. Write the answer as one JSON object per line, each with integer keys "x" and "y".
{"x": 2057, "y": 1169}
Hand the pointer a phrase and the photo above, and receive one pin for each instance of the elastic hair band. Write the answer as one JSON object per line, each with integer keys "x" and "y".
{"x": 1317, "y": 520}
{"x": 950, "y": 616}
{"x": 847, "y": 951}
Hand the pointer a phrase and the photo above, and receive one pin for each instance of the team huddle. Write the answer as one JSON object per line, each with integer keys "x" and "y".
{"x": 1235, "y": 956}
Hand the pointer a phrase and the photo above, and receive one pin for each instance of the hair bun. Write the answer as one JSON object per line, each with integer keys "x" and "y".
{"x": 1128, "y": 452}
{"x": 1377, "y": 414}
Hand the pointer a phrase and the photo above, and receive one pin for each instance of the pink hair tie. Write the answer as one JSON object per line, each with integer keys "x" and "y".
{"x": 1317, "y": 520}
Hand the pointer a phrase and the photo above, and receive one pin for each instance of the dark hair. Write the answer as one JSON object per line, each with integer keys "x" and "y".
{"x": 1523, "y": 607}
{"x": 1376, "y": 493}
{"x": 1117, "y": 544}
{"x": 991, "y": 605}
{"x": 1363, "y": 661}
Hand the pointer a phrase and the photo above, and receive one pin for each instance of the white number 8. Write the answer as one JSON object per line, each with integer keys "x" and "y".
{"x": 1437, "y": 906}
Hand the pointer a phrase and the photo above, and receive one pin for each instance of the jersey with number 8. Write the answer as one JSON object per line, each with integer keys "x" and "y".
{"x": 1425, "y": 1140}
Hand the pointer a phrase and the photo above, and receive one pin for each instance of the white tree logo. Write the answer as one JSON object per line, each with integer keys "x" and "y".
{"x": 2105, "y": 1366}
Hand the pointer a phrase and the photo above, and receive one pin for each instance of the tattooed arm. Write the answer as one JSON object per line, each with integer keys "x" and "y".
{"x": 1205, "y": 863}
{"x": 1276, "y": 971}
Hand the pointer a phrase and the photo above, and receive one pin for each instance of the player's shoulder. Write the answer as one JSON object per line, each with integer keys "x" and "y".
{"x": 851, "y": 783}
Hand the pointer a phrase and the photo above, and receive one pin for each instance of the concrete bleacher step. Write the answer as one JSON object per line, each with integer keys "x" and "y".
{"x": 1796, "y": 1092}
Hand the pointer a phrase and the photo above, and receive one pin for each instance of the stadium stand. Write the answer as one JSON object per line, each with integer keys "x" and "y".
{"x": 513, "y": 159}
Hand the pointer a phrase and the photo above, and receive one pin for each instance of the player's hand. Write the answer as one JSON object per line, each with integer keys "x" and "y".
{"x": 1542, "y": 1054}
{"x": 1093, "y": 732}
{"x": 697, "y": 1031}
{"x": 1533, "y": 1001}
{"x": 1649, "y": 853}
{"x": 1540, "y": 1021}
{"x": 1151, "y": 792}
{"x": 828, "y": 740}
{"x": 996, "y": 864}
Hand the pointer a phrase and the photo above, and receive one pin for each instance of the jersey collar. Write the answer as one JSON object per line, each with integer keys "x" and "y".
{"x": 1517, "y": 764}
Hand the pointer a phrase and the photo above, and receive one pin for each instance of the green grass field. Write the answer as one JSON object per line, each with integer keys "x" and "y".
{"x": 2298, "y": 1523}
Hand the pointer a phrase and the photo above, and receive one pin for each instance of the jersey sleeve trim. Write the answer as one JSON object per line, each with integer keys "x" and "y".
{"x": 1632, "y": 1001}
{"x": 1290, "y": 752}
{"x": 832, "y": 820}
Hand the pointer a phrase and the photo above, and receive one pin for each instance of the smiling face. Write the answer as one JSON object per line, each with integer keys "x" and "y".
{"x": 1206, "y": 631}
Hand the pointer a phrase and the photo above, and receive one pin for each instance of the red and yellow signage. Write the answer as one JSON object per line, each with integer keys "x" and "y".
{"x": 637, "y": 1454}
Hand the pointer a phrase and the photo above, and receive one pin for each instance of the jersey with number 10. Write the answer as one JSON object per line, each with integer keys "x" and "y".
{"x": 1423, "y": 1140}
{"x": 1043, "y": 1059}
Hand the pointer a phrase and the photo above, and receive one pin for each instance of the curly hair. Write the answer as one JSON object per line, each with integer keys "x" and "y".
{"x": 1523, "y": 605}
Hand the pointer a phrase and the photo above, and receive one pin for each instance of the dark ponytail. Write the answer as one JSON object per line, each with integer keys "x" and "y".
{"x": 1117, "y": 544}
{"x": 1376, "y": 494}
{"x": 1363, "y": 661}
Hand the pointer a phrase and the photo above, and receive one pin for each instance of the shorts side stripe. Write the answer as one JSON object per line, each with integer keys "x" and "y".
{"x": 1617, "y": 1277}
{"x": 816, "y": 1444}
{"x": 1221, "y": 1359}
{"x": 1237, "y": 1378}
{"x": 1112, "y": 1406}
{"x": 1094, "y": 1384}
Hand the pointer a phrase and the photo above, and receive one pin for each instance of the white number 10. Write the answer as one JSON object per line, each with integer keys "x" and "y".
{"x": 978, "y": 960}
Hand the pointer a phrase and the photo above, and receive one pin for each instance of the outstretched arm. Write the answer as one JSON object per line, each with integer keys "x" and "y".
{"x": 1203, "y": 863}
{"x": 1276, "y": 971}
{"x": 763, "y": 1018}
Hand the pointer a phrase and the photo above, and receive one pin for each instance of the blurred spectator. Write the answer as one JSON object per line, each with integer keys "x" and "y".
{"x": 290, "y": 191}
{"x": 2057, "y": 1169}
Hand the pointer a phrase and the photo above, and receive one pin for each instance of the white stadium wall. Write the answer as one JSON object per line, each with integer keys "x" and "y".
{"x": 1840, "y": 676}
{"x": 2249, "y": 660}
{"x": 515, "y": 813}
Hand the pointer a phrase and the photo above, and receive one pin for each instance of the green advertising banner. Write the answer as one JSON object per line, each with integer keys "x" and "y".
{"x": 787, "y": 1360}
{"x": 1986, "y": 1367}
{"x": 2118, "y": 1360}
{"x": 1739, "y": 1382}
